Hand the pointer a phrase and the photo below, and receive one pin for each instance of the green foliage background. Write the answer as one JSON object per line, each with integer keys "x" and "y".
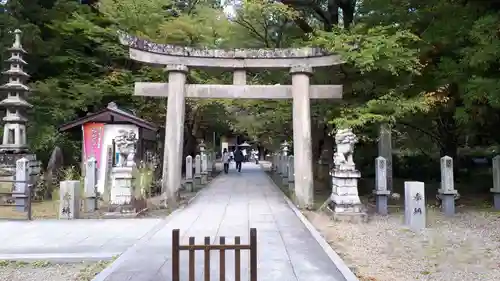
{"x": 428, "y": 68}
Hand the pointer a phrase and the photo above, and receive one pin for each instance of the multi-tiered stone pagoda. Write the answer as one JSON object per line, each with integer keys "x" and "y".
{"x": 14, "y": 144}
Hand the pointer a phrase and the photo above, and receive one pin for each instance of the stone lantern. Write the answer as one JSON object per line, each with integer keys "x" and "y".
{"x": 284, "y": 148}
{"x": 201, "y": 147}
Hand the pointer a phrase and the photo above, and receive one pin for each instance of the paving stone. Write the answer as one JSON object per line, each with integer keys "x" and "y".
{"x": 228, "y": 207}
{"x": 56, "y": 239}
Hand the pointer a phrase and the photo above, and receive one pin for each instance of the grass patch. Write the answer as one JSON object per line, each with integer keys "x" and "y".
{"x": 20, "y": 264}
{"x": 40, "y": 210}
{"x": 91, "y": 270}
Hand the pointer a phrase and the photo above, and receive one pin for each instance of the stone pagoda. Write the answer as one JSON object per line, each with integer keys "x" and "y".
{"x": 14, "y": 91}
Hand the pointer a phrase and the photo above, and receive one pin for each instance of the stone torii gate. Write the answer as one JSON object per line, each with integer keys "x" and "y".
{"x": 177, "y": 60}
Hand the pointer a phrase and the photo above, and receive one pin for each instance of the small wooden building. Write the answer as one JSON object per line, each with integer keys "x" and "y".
{"x": 99, "y": 129}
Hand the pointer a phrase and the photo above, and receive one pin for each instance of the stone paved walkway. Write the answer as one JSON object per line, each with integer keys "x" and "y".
{"x": 62, "y": 240}
{"x": 229, "y": 206}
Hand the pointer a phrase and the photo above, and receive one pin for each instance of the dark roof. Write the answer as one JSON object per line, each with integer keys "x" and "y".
{"x": 113, "y": 112}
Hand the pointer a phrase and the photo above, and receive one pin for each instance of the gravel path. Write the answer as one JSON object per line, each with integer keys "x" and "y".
{"x": 466, "y": 247}
{"x": 32, "y": 273}
{"x": 37, "y": 271}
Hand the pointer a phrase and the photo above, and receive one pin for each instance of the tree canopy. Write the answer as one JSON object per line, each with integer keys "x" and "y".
{"x": 428, "y": 68}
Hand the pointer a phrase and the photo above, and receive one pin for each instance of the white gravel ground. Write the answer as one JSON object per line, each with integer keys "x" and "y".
{"x": 43, "y": 271}
{"x": 466, "y": 247}
{"x": 49, "y": 273}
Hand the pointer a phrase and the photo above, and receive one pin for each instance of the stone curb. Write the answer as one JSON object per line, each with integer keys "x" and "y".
{"x": 132, "y": 249}
{"x": 334, "y": 257}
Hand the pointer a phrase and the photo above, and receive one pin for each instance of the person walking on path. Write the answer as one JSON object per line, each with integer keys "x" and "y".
{"x": 225, "y": 160}
{"x": 238, "y": 158}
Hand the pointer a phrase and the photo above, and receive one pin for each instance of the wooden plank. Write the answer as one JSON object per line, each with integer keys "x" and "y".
{"x": 203, "y": 91}
{"x": 192, "y": 255}
{"x": 175, "y": 255}
{"x": 253, "y": 254}
{"x": 222, "y": 260}
{"x": 237, "y": 259}
{"x": 214, "y": 247}
{"x": 207, "y": 259}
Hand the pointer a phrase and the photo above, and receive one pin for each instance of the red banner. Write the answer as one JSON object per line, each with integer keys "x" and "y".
{"x": 93, "y": 134}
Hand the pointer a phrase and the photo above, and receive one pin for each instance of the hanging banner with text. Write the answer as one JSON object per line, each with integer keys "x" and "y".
{"x": 93, "y": 134}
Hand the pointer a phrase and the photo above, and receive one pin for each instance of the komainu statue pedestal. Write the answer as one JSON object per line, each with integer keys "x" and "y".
{"x": 344, "y": 202}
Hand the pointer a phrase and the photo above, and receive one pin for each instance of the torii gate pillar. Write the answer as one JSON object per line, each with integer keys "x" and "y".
{"x": 174, "y": 136}
{"x": 302, "y": 144}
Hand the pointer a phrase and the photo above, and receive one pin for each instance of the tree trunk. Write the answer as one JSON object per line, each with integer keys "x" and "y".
{"x": 447, "y": 128}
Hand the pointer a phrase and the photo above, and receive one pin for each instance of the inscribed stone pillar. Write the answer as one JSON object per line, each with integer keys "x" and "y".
{"x": 447, "y": 192}
{"x": 174, "y": 136}
{"x": 209, "y": 164}
{"x": 204, "y": 169}
{"x": 415, "y": 205}
{"x": 284, "y": 169}
{"x": 90, "y": 187}
{"x": 496, "y": 182}
{"x": 381, "y": 191}
{"x": 214, "y": 162}
{"x": 21, "y": 187}
{"x": 197, "y": 170}
{"x": 275, "y": 163}
{"x": 385, "y": 150}
{"x": 69, "y": 200}
{"x": 189, "y": 173}
{"x": 302, "y": 146}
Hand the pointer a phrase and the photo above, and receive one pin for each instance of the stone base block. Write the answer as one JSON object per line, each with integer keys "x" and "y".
{"x": 204, "y": 179}
{"x": 345, "y": 174}
{"x": 291, "y": 186}
{"x": 348, "y": 213}
{"x": 381, "y": 204}
{"x": 351, "y": 217}
{"x": 285, "y": 181}
{"x": 496, "y": 201}
{"x": 448, "y": 204}
{"x": 121, "y": 185}
{"x": 189, "y": 186}
{"x": 346, "y": 200}
{"x": 90, "y": 204}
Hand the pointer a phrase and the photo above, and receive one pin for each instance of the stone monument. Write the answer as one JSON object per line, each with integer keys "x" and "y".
{"x": 204, "y": 169}
{"x": 344, "y": 200}
{"x": 122, "y": 175}
{"x": 14, "y": 145}
{"x": 197, "y": 171}
{"x": 284, "y": 159}
{"x": 415, "y": 205}
{"x": 496, "y": 182}
{"x": 291, "y": 174}
{"x": 90, "y": 186}
{"x": 447, "y": 192}
{"x": 381, "y": 191}
{"x": 189, "y": 173}
{"x": 69, "y": 199}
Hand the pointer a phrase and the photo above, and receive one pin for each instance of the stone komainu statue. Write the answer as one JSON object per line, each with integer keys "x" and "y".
{"x": 126, "y": 143}
{"x": 345, "y": 140}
